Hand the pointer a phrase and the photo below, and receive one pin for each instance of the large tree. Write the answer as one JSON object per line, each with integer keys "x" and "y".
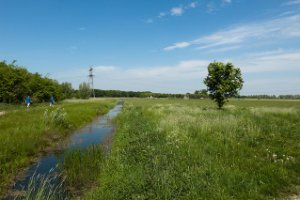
{"x": 223, "y": 81}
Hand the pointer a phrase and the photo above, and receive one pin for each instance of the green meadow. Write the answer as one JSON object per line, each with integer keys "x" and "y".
{"x": 165, "y": 149}
{"x": 188, "y": 149}
{"x": 26, "y": 132}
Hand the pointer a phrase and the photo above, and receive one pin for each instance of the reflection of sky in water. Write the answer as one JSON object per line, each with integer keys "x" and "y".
{"x": 91, "y": 134}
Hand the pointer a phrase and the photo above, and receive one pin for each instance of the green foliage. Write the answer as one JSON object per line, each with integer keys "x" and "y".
{"x": 40, "y": 188}
{"x": 23, "y": 132}
{"x": 57, "y": 118}
{"x": 16, "y": 83}
{"x": 84, "y": 90}
{"x": 81, "y": 168}
{"x": 144, "y": 94}
{"x": 223, "y": 81}
{"x": 67, "y": 90}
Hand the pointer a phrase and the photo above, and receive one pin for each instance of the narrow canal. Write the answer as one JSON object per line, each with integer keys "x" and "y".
{"x": 92, "y": 134}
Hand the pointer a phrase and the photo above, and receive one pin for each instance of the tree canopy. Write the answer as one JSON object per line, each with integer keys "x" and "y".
{"x": 16, "y": 83}
{"x": 223, "y": 81}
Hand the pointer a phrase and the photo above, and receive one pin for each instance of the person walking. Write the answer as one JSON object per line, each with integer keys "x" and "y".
{"x": 28, "y": 101}
{"x": 52, "y": 101}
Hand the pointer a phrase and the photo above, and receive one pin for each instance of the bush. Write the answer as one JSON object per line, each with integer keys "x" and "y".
{"x": 56, "y": 118}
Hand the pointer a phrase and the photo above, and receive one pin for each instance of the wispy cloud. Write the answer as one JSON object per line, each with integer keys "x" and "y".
{"x": 292, "y": 2}
{"x": 161, "y": 14}
{"x": 176, "y": 11}
{"x": 181, "y": 77}
{"x": 279, "y": 28}
{"x": 193, "y": 5}
{"x": 270, "y": 61}
{"x": 224, "y": 49}
{"x": 227, "y": 1}
{"x": 210, "y": 7}
{"x": 82, "y": 28}
{"x": 72, "y": 49}
{"x": 181, "y": 9}
{"x": 149, "y": 21}
{"x": 104, "y": 68}
{"x": 187, "y": 75}
{"x": 177, "y": 45}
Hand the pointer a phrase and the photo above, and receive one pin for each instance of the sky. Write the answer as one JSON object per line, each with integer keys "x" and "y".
{"x": 155, "y": 45}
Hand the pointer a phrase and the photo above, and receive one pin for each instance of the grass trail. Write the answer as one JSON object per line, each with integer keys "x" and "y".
{"x": 175, "y": 149}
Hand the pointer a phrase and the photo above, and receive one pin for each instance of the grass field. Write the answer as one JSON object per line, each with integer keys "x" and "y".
{"x": 25, "y": 132}
{"x": 178, "y": 149}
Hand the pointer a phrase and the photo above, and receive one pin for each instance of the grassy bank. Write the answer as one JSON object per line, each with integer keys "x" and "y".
{"x": 25, "y": 132}
{"x": 176, "y": 149}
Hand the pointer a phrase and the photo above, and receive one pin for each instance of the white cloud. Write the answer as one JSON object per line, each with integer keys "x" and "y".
{"x": 227, "y": 1}
{"x": 270, "y": 30}
{"x": 224, "y": 49}
{"x": 258, "y": 70}
{"x": 176, "y": 11}
{"x": 270, "y": 62}
{"x": 177, "y": 45}
{"x": 271, "y": 86}
{"x": 161, "y": 14}
{"x": 72, "y": 49}
{"x": 149, "y": 21}
{"x": 185, "y": 76}
{"x": 293, "y": 2}
{"x": 82, "y": 29}
{"x": 210, "y": 7}
{"x": 104, "y": 68}
{"x": 193, "y": 5}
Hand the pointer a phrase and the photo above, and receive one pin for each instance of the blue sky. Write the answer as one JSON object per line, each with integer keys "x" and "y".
{"x": 156, "y": 45}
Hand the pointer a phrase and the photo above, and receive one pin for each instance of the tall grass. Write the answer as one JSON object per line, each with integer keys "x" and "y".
{"x": 42, "y": 187}
{"x": 81, "y": 169}
{"x": 25, "y": 132}
{"x": 190, "y": 150}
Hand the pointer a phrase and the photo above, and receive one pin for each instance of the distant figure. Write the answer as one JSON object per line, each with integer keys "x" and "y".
{"x": 28, "y": 101}
{"x": 52, "y": 101}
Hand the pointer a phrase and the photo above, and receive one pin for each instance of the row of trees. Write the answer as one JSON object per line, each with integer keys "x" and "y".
{"x": 147, "y": 94}
{"x": 16, "y": 83}
{"x": 223, "y": 81}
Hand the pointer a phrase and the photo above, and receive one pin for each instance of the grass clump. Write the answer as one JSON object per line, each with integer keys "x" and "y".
{"x": 190, "y": 150}
{"x": 43, "y": 187}
{"x": 57, "y": 118}
{"x": 81, "y": 169}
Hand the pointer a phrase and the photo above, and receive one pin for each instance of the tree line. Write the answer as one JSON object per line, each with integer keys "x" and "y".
{"x": 223, "y": 81}
{"x": 148, "y": 94}
{"x": 17, "y": 82}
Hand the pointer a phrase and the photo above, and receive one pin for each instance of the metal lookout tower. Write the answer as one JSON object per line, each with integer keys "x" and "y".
{"x": 91, "y": 80}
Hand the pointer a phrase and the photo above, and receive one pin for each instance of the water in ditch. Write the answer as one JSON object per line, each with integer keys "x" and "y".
{"x": 92, "y": 134}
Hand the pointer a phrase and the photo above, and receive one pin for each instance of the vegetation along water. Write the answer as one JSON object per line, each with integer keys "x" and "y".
{"x": 25, "y": 132}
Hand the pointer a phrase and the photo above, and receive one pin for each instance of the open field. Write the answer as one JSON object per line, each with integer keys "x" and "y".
{"x": 177, "y": 149}
{"x": 26, "y": 132}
